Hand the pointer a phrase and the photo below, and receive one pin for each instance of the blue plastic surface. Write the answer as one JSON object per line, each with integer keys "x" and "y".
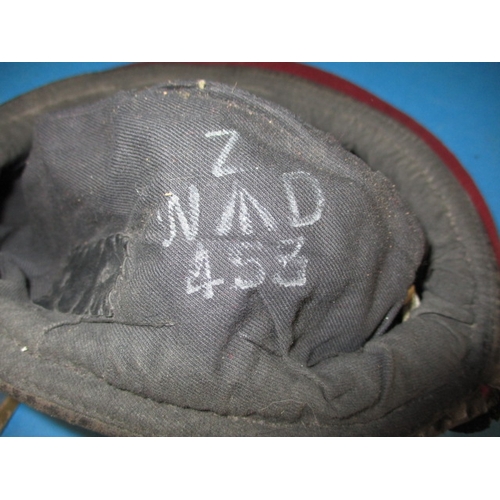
{"x": 27, "y": 422}
{"x": 458, "y": 103}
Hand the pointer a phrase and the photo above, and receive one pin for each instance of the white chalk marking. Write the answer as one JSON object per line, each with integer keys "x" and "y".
{"x": 217, "y": 168}
{"x": 227, "y": 216}
{"x": 255, "y": 274}
{"x": 203, "y": 274}
{"x": 292, "y": 262}
{"x": 190, "y": 229}
{"x": 298, "y": 220}
{"x": 241, "y": 194}
{"x": 245, "y": 223}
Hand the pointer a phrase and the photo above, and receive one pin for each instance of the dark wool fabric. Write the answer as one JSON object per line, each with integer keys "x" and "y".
{"x": 212, "y": 250}
{"x": 190, "y": 259}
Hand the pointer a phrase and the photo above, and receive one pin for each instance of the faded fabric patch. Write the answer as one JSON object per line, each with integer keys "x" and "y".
{"x": 219, "y": 250}
{"x": 89, "y": 278}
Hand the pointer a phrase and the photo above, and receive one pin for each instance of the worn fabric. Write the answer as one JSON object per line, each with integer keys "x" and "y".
{"x": 213, "y": 250}
{"x": 190, "y": 259}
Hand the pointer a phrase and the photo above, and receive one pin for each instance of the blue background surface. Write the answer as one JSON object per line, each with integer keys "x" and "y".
{"x": 459, "y": 103}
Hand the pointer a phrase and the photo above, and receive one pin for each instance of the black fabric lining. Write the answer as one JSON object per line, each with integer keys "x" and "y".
{"x": 123, "y": 429}
{"x": 78, "y": 293}
{"x": 427, "y": 176}
{"x": 438, "y": 194}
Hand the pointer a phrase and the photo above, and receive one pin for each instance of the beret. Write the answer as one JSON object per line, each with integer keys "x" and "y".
{"x": 180, "y": 256}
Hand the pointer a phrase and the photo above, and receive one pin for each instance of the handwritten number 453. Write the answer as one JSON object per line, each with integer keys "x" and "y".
{"x": 289, "y": 269}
